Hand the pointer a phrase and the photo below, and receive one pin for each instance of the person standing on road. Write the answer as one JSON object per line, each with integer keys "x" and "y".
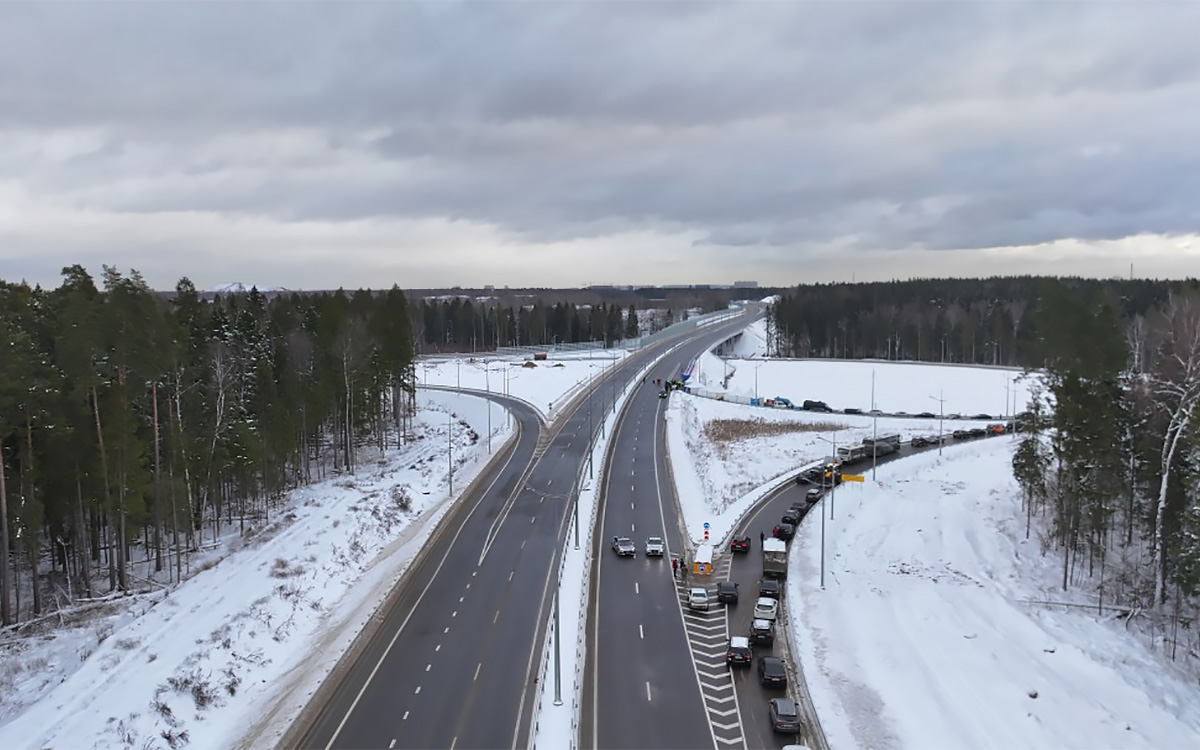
{"x": 675, "y": 566}
{"x": 762, "y": 537}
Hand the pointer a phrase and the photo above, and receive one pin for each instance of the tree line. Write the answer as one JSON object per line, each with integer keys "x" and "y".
{"x": 461, "y": 324}
{"x": 1113, "y": 461}
{"x": 973, "y": 321}
{"x": 133, "y": 425}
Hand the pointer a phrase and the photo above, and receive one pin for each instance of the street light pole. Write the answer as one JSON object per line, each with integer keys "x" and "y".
{"x": 450, "y": 448}
{"x": 488, "y": 385}
{"x": 874, "y": 426}
{"x": 941, "y": 416}
{"x": 823, "y": 536}
{"x": 557, "y": 649}
{"x": 833, "y": 478}
{"x": 458, "y": 373}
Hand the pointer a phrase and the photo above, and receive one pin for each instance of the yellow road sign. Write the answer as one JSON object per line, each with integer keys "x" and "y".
{"x": 852, "y": 478}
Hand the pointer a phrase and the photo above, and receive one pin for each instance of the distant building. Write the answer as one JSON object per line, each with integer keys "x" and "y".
{"x": 745, "y": 285}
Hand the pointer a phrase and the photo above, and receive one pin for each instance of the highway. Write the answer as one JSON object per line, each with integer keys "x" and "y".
{"x": 452, "y": 660}
{"x": 641, "y": 684}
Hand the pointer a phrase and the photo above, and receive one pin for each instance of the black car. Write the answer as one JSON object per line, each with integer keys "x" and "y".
{"x": 772, "y": 672}
{"x": 791, "y": 516}
{"x": 810, "y": 405}
{"x": 982, "y": 416}
{"x": 961, "y": 434}
{"x": 762, "y": 632}
{"x": 852, "y": 411}
{"x": 727, "y": 592}
{"x": 978, "y": 432}
{"x": 799, "y": 507}
{"x": 769, "y": 587}
{"x": 813, "y": 495}
{"x": 784, "y": 531}
{"x": 738, "y": 651}
{"x": 740, "y": 544}
{"x": 927, "y": 415}
{"x": 664, "y": 394}
{"x": 919, "y": 441}
{"x": 785, "y": 715}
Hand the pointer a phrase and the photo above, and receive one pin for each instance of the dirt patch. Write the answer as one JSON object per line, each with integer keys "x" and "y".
{"x": 733, "y": 430}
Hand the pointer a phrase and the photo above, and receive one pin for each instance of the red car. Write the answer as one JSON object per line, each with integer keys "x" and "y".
{"x": 740, "y": 544}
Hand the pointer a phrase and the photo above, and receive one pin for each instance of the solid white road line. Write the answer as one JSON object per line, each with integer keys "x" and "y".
{"x": 641, "y": 633}
{"x": 648, "y": 698}
{"x": 428, "y": 667}
{"x": 477, "y": 668}
{"x": 637, "y": 589}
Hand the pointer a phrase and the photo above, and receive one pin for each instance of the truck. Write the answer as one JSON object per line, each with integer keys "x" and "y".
{"x": 882, "y": 444}
{"x": 851, "y": 453}
{"x": 774, "y": 558}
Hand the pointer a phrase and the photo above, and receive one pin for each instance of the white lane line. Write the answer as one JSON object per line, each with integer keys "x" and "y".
{"x": 447, "y": 630}
{"x": 460, "y": 599}
{"x": 453, "y": 742}
{"x": 454, "y": 613}
{"x": 637, "y": 589}
{"x": 523, "y": 544}
{"x": 417, "y": 691}
{"x": 404, "y": 717}
{"x": 533, "y": 519}
{"x": 428, "y": 667}
{"x": 510, "y": 575}
{"x": 495, "y": 617}
{"x": 393, "y": 742}
{"x": 477, "y": 668}
{"x": 437, "y": 647}
{"x": 648, "y": 698}
{"x": 641, "y": 634}
{"x": 631, "y": 506}
{"x": 633, "y": 526}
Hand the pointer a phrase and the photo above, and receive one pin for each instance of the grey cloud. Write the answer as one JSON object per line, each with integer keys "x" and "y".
{"x": 783, "y": 125}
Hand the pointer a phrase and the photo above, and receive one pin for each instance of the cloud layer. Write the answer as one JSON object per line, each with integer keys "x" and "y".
{"x": 365, "y": 144}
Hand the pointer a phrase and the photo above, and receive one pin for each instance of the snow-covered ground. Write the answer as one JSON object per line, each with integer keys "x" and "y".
{"x": 922, "y": 637}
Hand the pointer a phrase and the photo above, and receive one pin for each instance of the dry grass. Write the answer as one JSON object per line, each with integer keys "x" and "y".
{"x": 731, "y": 430}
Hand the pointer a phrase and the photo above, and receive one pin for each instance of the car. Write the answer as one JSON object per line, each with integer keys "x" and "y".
{"x": 766, "y": 608}
{"x": 875, "y": 413}
{"x": 961, "y": 434}
{"x": 785, "y": 715}
{"x": 772, "y": 672}
{"x": 698, "y": 599}
{"x": 740, "y": 544}
{"x": 769, "y": 587}
{"x": 727, "y": 592}
{"x": 810, "y": 405}
{"x": 900, "y": 414}
{"x": 996, "y": 429}
{"x": 852, "y": 411}
{"x": 762, "y": 632}
{"x": 927, "y": 415}
{"x": 982, "y": 416}
{"x": 799, "y": 507}
{"x": 814, "y": 474}
{"x": 738, "y": 651}
{"x": 813, "y": 494}
{"x": 623, "y": 546}
{"x": 977, "y": 432}
{"x": 784, "y": 531}
{"x": 655, "y": 547}
{"x": 664, "y": 394}
{"x": 919, "y": 441}
{"x": 791, "y": 516}
{"x": 954, "y": 416}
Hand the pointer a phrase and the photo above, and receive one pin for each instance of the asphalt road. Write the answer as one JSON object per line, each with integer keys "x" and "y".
{"x": 453, "y": 662}
{"x": 641, "y": 689}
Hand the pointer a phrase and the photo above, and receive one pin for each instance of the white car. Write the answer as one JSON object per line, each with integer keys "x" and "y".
{"x": 655, "y": 547}
{"x": 766, "y": 608}
{"x": 698, "y": 599}
{"x": 623, "y": 546}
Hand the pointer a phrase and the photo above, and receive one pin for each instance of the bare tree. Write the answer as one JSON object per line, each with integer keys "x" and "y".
{"x": 1174, "y": 385}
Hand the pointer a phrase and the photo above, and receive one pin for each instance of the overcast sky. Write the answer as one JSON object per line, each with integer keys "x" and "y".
{"x": 360, "y": 144}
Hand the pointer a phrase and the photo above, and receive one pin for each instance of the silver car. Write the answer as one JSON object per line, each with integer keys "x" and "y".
{"x": 655, "y": 547}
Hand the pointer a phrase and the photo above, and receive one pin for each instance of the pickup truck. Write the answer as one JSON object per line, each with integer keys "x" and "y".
{"x": 623, "y": 546}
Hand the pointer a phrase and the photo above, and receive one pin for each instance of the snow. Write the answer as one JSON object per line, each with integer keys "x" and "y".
{"x": 929, "y": 632}
{"x": 241, "y": 644}
{"x": 237, "y": 287}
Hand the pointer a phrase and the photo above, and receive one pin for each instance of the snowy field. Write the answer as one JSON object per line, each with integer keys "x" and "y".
{"x": 923, "y": 638}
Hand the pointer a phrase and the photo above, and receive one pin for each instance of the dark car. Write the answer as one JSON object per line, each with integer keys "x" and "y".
{"x": 738, "y": 651}
{"x": 814, "y": 473}
{"x": 927, "y": 415}
{"x": 852, "y": 411}
{"x": 982, "y": 416}
{"x": 664, "y": 394}
{"x": 800, "y": 507}
{"x": 978, "y": 432}
{"x": 791, "y": 516}
{"x": 784, "y": 531}
{"x": 769, "y": 587}
{"x": 961, "y": 434}
{"x": 727, "y": 592}
{"x": 813, "y": 495}
{"x": 740, "y": 544}
{"x": 785, "y": 715}
{"x": 919, "y": 441}
{"x": 810, "y": 405}
{"x": 762, "y": 632}
{"x": 772, "y": 672}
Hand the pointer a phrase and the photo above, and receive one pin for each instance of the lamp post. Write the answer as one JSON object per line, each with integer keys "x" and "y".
{"x": 488, "y": 386}
{"x": 450, "y": 448}
{"x": 458, "y": 374}
{"x": 832, "y": 480}
{"x": 874, "y": 426}
{"x": 760, "y": 364}
{"x": 822, "y": 538}
{"x": 941, "y": 416}
{"x": 557, "y": 648}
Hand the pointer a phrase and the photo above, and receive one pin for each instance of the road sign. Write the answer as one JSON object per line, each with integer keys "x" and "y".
{"x": 706, "y": 526}
{"x": 852, "y": 478}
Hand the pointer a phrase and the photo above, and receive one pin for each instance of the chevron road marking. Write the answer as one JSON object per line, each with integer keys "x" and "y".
{"x": 727, "y": 712}
{"x": 712, "y": 675}
{"x": 734, "y": 725}
{"x": 736, "y": 741}
{"x": 717, "y": 689}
